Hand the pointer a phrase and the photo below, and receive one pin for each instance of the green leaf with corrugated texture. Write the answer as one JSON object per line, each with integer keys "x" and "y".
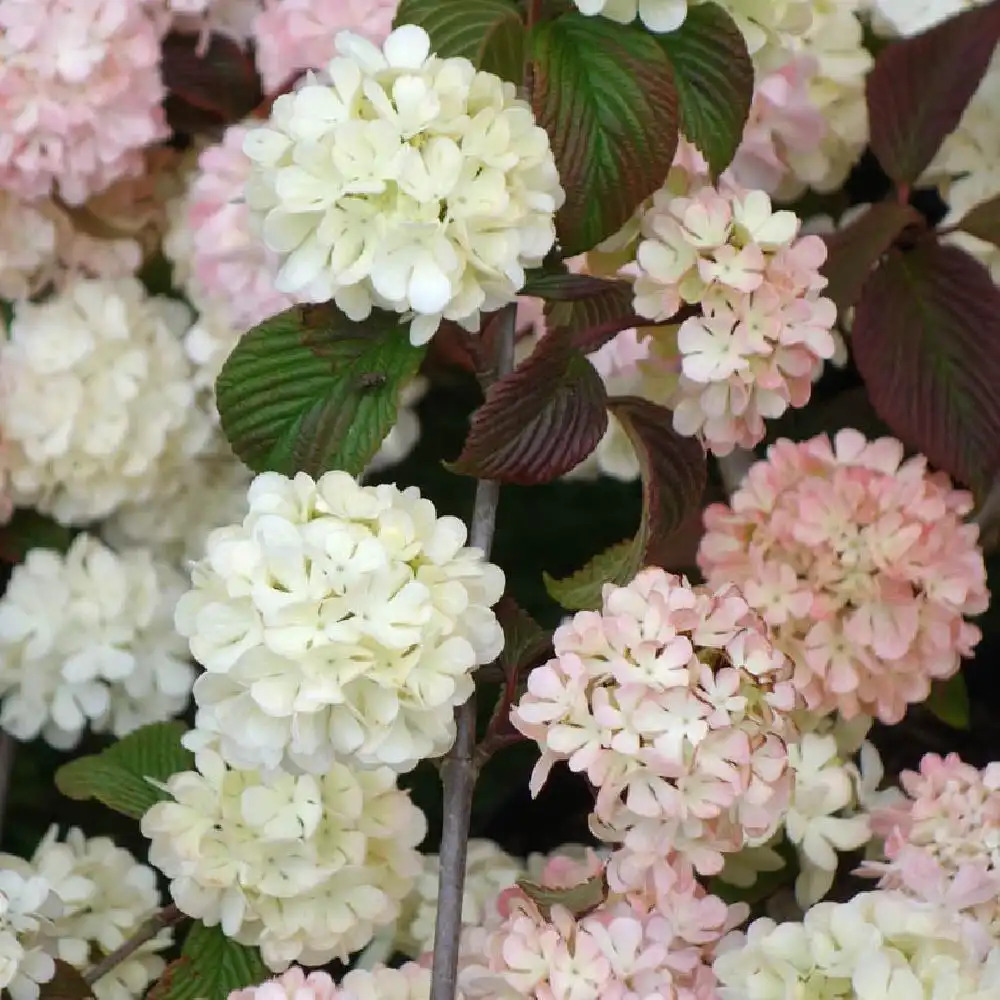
{"x": 714, "y": 77}
{"x": 122, "y": 776}
{"x": 211, "y": 966}
{"x": 605, "y": 94}
{"x": 309, "y": 390}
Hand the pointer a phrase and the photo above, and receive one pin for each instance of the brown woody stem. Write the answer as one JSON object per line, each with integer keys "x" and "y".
{"x": 147, "y": 930}
{"x": 734, "y": 467}
{"x": 458, "y": 769}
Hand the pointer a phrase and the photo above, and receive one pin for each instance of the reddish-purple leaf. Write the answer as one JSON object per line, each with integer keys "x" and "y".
{"x": 67, "y": 984}
{"x": 920, "y": 87}
{"x": 564, "y": 286}
{"x": 926, "y": 339}
{"x": 538, "y": 422}
{"x": 605, "y": 94}
{"x": 983, "y": 221}
{"x": 206, "y": 86}
{"x": 673, "y": 467}
{"x": 674, "y": 473}
{"x": 595, "y": 319}
{"x": 853, "y": 251}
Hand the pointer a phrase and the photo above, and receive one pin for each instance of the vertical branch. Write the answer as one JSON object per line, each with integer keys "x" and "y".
{"x": 8, "y": 745}
{"x": 458, "y": 770}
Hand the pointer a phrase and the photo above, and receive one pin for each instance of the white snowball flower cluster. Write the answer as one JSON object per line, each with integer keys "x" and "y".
{"x": 770, "y": 27}
{"x": 338, "y": 619}
{"x": 87, "y": 638}
{"x": 96, "y": 390}
{"x": 105, "y": 895}
{"x": 877, "y": 946}
{"x": 911, "y": 17}
{"x": 27, "y": 906}
{"x": 411, "y": 183}
{"x": 488, "y": 871}
{"x": 307, "y": 867}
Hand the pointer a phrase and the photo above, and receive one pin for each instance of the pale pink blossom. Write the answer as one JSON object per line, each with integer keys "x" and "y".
{"x": 295, "y": 984}
{"x": 675, "y": 705}
{"x": 656, "y": 940}
{"x": 80, "y": 94}
{"x": 942, "y": 842}
{"x": 763, "y": 331}
{"x": 296, "y": 35}
{"x": 224, "y": 268}
{"x": 861, "y": 565}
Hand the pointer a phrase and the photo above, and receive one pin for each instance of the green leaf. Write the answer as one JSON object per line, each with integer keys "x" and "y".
{"x": 489, "y": 33}
{"x": 308, "y": 390}
{"x": 853, "y": 251}
{"x": 122, "y": 776}
{"x": 674, "y": 473}
{"x": 983, "y": 221}
{"x": 211, "y": 966}
{"x": 27, "y": 530}
{"x": 538, "y": 422}
{"x": 949, "y": 701}
{"x": 579, "y": 899}
{"x": 926, "y": 340}
{"x": 582, "y": 590}
{"x": 605, "y": 94}
{"x": 563, "y": 286}
{"x": 920, "y": 87}
{"x": 714, "y": 76}
{"x": 525, "y": 642}
{"x": 67, "y": 984}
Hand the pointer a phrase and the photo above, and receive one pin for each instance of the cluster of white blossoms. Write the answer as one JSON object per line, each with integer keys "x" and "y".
{"x": 105, "y": 895}
{"x": 877, "y": 946}
{"x": 337, "y": 620}
{"x": 407, "y": 182}
{"x": 87, "y": 638}
{"x": 305, "y": 866}
{"x": 96, "y": 392}
{"x": 27, "y": 904}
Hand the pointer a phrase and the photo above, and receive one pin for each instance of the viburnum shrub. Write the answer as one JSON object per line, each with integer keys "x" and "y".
{"x": 691, "y": 307}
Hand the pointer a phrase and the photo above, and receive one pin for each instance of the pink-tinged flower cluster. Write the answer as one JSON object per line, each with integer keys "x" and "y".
{"x": 224, "y": 268}
{"x": 80, "y": 94}
{"x": 764, "y": 330}
{"x": 297, "y": 35}
{"x": 409, "y": 982}
{"x": 654, "y": 942}
{"x": 861, "y": 565}
{"x": 942, "y": 842}
{"x": 674, "y": 703}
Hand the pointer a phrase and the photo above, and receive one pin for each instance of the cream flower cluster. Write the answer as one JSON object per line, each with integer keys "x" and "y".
{"x": 942, "y": 842}
{"x": 657, "y": 940}
{"x": 411, "y": 183}
{"x": 105, "y": 895}
{"x": 488, "y": 871}
{"x": 911, "y": 17}
{"x": 861, "y": 566}
{"x": 338, "y": 619}
{"x": 770, "y": 28}
{"x": 80, "y": 94}
{"x": 27, "y": 904}
{"x": 877, "y": 946}
{"x": 87, "y": 639}
{"x": 307, "y": 867}
{"x": 96, "y": 393}
{"x": 764, "y": 330}
{"x": 674, "y": 703}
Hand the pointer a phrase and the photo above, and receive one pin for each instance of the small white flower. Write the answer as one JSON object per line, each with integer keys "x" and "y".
{"x": 87, "y": 639}
{"x": 338, "y": 619}
{"x": 407, "y": 182}
{"x": 660, "y": 16}
{"x": 307, "y": 867}
{"x": 96, "y": 391}
{"x": 105, "y": 895}
{"x": 27, "y": 906}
